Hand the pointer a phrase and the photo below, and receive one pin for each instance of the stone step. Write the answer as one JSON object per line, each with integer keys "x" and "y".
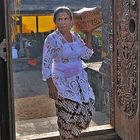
{"x": 47, "y": 127}
{"x": 103, "y": 132}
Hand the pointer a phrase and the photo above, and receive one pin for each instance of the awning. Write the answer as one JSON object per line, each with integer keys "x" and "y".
{"x": 29, "y": 24}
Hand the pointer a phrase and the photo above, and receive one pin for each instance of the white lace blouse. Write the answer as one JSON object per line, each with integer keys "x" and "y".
{"x": 62, "y": 62}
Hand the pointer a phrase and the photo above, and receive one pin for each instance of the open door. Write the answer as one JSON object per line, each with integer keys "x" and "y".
{"x": 126, "y": 68}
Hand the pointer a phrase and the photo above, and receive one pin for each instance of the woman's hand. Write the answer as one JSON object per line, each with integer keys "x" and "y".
{"x": 52, "y": 89}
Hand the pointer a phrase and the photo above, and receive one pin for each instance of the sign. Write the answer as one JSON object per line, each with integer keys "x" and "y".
{"x": 87, "y": 19}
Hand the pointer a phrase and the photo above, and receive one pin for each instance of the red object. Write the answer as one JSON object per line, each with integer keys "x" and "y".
{"x": 32, "y": 61}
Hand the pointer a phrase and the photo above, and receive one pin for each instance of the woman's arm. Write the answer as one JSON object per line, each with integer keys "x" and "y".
{"x": 88, "y": 39}
{"x": 85, "y": 44}
{"x": 48, "y": 53}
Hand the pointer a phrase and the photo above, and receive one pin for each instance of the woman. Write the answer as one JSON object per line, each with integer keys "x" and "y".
{"x": 66, "y": 78}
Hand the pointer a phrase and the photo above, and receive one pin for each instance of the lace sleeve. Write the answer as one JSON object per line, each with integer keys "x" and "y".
{"x": 48, "y": 55}
{"x": 87, "y": 53}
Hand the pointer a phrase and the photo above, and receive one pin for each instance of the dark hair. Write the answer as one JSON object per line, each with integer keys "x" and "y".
{"x": 61, "y": 9}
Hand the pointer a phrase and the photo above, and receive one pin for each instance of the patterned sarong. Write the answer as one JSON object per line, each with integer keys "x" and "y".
{"x": 73, "y": 117}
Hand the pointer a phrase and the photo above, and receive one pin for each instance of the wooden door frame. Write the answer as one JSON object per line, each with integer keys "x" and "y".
{"x": 139, "y": 64}
{"x": 115, "y": 9}
{"x": 11, "y": 111}
{"x": 7, "y": 114}
{"x": 106, "y": 129}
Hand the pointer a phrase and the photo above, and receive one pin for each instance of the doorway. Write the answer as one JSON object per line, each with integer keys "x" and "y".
{"x": 24, "y": 70}
{"x": 33, "y": 107}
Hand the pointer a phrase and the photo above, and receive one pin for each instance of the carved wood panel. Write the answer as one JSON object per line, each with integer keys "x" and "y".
{"x": 126, "y": 59}
{"x": 127, "y": 97}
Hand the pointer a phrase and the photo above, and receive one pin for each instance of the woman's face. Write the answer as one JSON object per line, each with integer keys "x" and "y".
{"x": 63, "y": 21}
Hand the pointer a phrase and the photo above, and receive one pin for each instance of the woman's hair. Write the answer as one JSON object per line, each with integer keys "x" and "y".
{"x": 61, "y": 9}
